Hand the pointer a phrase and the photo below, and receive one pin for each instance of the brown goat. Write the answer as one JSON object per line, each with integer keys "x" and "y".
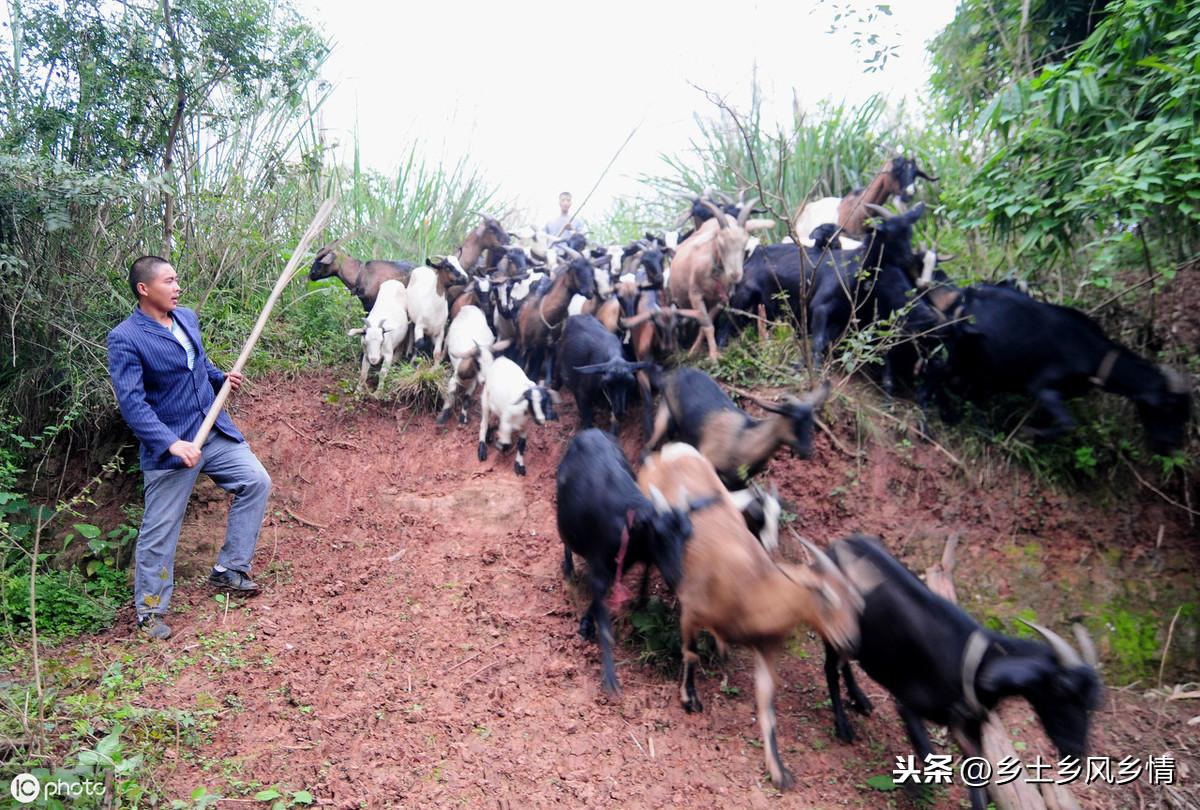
{"x": 707, "y": 265}
{"x": 488, "y": 235}
{"x": 363, "y": 279}
{"x": 542, "y": 316}
{"x": 736, "y": 591}
{"x": 897, "y": 178}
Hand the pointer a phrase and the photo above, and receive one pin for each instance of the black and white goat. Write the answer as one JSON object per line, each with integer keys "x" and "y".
{"x": 512, "y": 399}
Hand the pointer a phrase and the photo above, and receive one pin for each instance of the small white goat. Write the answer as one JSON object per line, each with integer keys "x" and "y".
{"x": 467, "y": 337}
{"x": 384, "y": 329}
{"x": 512, "y": 398}
{"x": 427, "y": 306}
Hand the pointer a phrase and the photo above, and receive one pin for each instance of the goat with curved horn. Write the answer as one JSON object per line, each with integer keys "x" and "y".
{"x": 717, "y": 213}
{"x": 744, "y": 211}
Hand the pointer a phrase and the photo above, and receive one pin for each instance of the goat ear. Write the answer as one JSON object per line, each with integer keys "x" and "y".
{"x": 354, "y": 332}
{"x": 759, "y": 224}
{"x": 328, "y": 257}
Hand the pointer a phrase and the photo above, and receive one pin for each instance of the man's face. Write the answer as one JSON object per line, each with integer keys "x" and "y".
{"x": 564, "y": 203}
{"x": 162, "y": 293}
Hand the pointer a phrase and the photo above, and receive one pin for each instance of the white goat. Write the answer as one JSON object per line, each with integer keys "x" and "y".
{"x": 427, "y": 308}
{"x": 512, "y": 398}
{"x": 466, "y": 339}
{"x": 384, "y": 328}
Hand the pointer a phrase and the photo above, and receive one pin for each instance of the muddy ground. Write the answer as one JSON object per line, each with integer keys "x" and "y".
{"x": 416, "y": 645}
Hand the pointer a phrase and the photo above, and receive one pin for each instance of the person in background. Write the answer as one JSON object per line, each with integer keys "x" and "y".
{"x": 164, "y": 384}
{"x": 563, "y": 226}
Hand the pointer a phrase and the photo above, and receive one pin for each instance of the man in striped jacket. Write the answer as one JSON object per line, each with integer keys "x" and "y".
{"x": 165, "y": 384}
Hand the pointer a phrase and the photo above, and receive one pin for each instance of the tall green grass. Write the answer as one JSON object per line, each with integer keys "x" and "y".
{"x": 243, "y": 200}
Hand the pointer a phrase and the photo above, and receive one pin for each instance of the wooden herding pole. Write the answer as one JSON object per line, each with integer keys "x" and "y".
{"x": 315, "y": 227}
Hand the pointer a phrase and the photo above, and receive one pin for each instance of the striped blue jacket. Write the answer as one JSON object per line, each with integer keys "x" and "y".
{"x": 161, "y": 399}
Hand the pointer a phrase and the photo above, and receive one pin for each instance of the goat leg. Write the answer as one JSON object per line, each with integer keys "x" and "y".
{"x": 841, "y": 724}
{"x": 362, "y": 374}
{"x": 858, "y": 701}
{"x": 483, "y": 428}
{"x": 519, "y": 465}
{"x": 691, "y": 657}
{"x": 764, "y": 693}
{"x": 603, "y": 622}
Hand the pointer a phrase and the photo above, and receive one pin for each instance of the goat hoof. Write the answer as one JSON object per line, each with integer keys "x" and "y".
{"x": 693, "y": 705}
{"x": 587, "y": 629}
{"x": 844, "y": 732}
{"x": 786, "y": 780}
{"x": 520, "y": 468}
{"x": 462, "y": 419}
{"x": 443, "y": 417}
{"x": 863, "y": 706}
{"x": 483, "y": 451}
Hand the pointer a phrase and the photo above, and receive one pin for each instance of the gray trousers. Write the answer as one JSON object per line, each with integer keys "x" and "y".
{"x": 234, "y": 468}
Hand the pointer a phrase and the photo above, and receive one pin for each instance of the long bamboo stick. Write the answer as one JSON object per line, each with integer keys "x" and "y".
{"x": 315, "y": 227}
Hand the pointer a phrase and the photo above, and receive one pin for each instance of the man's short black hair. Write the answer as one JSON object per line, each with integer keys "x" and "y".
{"x": 565, "y": 194}
{"x": 143, "y": 270}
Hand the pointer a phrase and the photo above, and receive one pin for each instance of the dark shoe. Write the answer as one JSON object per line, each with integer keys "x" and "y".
{"x": 234, "y": 581}
{"x": 154, "y": 627}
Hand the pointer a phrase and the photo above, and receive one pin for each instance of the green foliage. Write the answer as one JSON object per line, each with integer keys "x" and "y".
{"x": 1102, "y": 142}
{"x": 67, "y": 603}
{"x": 1133, "y": 639}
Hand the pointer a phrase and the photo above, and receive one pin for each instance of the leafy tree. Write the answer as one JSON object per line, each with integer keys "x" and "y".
{"x": 1105, "y": 141}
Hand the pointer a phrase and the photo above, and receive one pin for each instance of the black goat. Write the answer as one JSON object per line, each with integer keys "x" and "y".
{"x": 942, "y": 666}
{"x": 592, "y": 365}
{"x": 844, "y": 281}
{"x": 605, "y": 519}
{"x": 695, "y": 410}
{"x": 1004, "y": 341}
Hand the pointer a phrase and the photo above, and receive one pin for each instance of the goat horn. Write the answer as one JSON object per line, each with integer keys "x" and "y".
{"x": 744, "y": 212}
{"x": 879, "y": 210}
{"x": 946, "y": 257}
{"x": 717, "y": 213}
{"x": 921, "y": 173}
{"x": 660, "y": 502}
{"x": 1086, "y": 646}
{"x": 821, "y": 561}
{"x": 1176, "y": 382}
{"x": 1064, "y": 652}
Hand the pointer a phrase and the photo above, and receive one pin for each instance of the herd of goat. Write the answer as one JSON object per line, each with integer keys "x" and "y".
{"x": 521, "y": 318}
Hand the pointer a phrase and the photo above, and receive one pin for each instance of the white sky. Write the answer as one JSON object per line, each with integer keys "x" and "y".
{"x": 541, "y": 94}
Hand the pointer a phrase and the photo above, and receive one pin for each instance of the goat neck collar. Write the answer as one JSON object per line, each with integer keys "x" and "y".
{"x": 977, "y": 646}
{"x": 1100, "y": 379}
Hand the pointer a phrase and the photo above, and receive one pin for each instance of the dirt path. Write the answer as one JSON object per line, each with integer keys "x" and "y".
{"x": 416, "y": 644}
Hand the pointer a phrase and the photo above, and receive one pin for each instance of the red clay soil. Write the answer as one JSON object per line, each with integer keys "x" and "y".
{"x": 416, "y": 645}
